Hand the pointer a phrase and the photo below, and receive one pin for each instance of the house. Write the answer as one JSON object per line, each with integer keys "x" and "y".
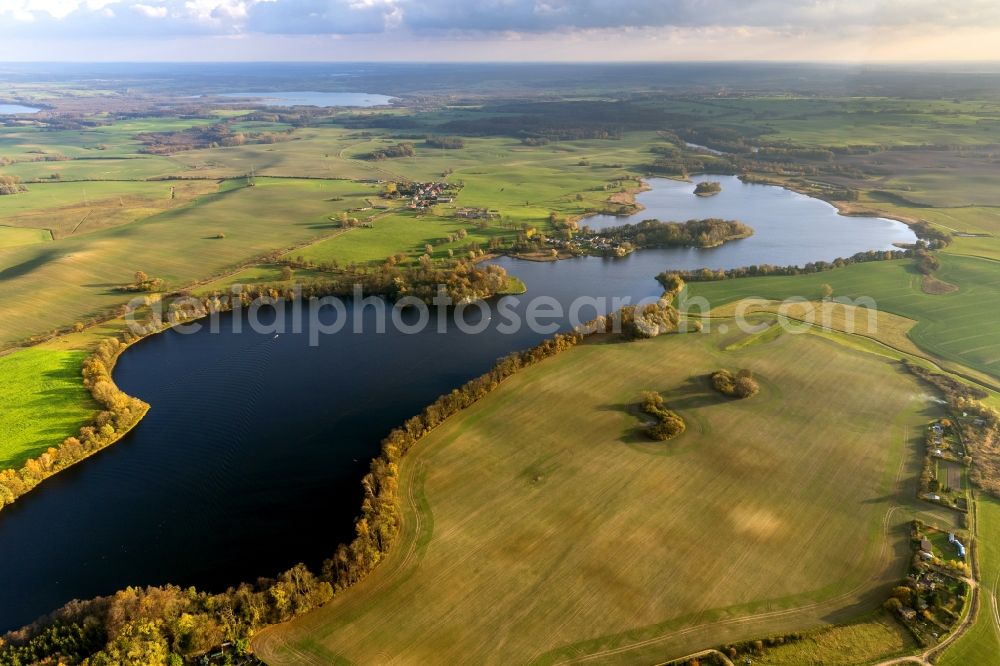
{"x": 908, "y": 613}
{"x": 925, "y": 545}
{"x": 937, "y": 428}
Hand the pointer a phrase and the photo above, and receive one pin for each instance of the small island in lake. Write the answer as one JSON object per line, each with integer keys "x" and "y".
{"x": 705, "y": 233}
{"x": 707, "y": 188}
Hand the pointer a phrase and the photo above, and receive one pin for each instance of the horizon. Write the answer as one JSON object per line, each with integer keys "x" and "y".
{"x": 521, "y": 30}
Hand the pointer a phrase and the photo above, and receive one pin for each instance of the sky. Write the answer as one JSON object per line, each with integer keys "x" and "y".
{"x": 499, "y": 30}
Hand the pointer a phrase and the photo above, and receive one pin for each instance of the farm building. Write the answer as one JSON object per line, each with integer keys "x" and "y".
{"x": 958, "y": 545}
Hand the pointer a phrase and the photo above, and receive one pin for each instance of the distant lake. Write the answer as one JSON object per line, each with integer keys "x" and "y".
{"x": 306, "y": 98}
{"x": 251, "y": 457}
{"x": 789, "y": 228}
{"x": 11, "y": 109}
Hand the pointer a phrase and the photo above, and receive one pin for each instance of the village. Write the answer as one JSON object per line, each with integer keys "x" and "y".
{"x": 422, "y": 196}
{"x": 931, "y": 600}
{"x": 944, "y": 478}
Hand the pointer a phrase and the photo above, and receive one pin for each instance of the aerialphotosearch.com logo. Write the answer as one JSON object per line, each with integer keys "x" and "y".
{"x": 318, "y": 317}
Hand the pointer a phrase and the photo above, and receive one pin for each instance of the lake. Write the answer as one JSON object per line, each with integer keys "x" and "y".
{"x": 250, "y": 459}
{"x": 309, "y": 98}
{"x": 11, "y": 109}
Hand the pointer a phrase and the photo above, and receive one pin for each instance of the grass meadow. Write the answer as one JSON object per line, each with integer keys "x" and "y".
{"x": 43, "y": 401}
{"x": 12, "y": 236}
{"x": 500, "y": 498}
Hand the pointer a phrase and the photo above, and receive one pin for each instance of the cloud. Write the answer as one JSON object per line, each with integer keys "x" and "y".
{"x": 150, "y": 12}
{"x": 311, "y": 17}
{"x": 441, "y": 18}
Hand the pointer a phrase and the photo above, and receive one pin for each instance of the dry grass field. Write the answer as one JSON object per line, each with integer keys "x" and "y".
{"x": 542, "y": 527}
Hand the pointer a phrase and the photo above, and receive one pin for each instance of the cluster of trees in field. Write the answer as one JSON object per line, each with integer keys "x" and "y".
{"x": 708, "y": 187}
{"x": 741, "y": 385}
{"x": 934, "y": 236}
{"x": 397, "y": 150}
{"x": 11, "y": 185}
{"x": 760, "y": 270}
{"x": 709, "y": 232}
{"x": 446, "y": 142}
{"x": 927, "y": 262}
{"x": 142, "y": 283}
{"x": 668, "y": 423}
{"x": 120, "y": 413}
{"x": 645, "y": 321}
{"x": 210, "y": 136}
{"x": 170, "y": 625}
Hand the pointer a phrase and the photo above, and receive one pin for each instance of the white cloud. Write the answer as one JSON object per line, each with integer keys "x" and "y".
{"x": 150, "y": 11}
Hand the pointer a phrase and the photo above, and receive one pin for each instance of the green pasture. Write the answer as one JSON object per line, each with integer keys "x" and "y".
{"x": 11, "y": 236}
{"x": 43, "y": 401}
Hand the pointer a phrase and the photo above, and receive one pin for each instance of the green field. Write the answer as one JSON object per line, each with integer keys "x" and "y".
{"x": 11, "y": 236}
{"x": 43, "y": 402}
{"x": 562, "y": 534}
{"x": 959, "y": 326}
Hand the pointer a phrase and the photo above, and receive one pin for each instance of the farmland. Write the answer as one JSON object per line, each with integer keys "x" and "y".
{"x": 500, "y": 497}
{"x": 952, "y": 326}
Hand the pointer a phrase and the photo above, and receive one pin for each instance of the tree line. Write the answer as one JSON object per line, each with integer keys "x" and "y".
{"x": 760, "y": 270}
{"x": 11, "y": 185}
{"x": 397, "y": 150}
{"x": 445, "y": 142}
